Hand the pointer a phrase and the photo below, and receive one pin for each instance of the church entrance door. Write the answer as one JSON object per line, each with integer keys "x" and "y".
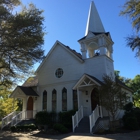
{"x": 94, "y": 99}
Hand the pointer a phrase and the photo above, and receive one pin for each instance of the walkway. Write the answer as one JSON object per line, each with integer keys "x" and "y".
{"x": 6, "y": 135}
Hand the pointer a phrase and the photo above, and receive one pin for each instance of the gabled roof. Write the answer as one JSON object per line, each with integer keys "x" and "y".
{"x": 28, "y": 91}
{"x": 21, "y": 91}
{"x": 31, "y": 82}
{"x": 123, "y": 84}
{"x": 73, "y": 52}
{"x": 92, "y": 80}
{"x": 76, "y": 53}
{"x": 97, "y": 80}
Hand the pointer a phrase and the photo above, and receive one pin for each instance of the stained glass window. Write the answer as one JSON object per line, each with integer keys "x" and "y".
{"x": 64, "y": 99}
{"x": 54, "y": 100}
{"x": 45, "y": 100}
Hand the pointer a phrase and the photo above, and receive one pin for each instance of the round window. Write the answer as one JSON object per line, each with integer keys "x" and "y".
{"x": 59, "y": 73}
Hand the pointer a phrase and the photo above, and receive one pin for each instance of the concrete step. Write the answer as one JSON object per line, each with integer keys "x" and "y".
{"x": 83, "y": 126}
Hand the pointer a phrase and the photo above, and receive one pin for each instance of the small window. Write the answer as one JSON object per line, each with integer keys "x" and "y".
{"x": 59, "y": 73}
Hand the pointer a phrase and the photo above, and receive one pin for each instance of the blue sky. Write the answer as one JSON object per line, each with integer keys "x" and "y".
{"x": 65, "y": 20}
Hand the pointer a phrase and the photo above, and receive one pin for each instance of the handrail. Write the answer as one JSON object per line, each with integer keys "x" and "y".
{"x": 97, "y": 112}
{"x": 6, "y": 120}
{"x": 16, "y": 117}
{"x": 77, "y": 118}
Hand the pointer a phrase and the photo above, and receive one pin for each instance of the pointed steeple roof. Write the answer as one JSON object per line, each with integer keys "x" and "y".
{"x": 94, "y": 23}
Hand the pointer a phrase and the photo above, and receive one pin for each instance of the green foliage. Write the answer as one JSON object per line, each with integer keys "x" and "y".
{"x": 13, "y": 129}
{"x": 50, "y": 118}
{"x": 21, "y": 39}
{"x": 65, "y": 118}
{"x": 45, "y": 118}
{"x": 7, "y": 105}
{"x": 131, "y": 118}
{"x": 134, "y": 84}
{"x": 61, "y": 128}
{"x": 131, "y": 123}
{"x": 132, "y": 9}
{"x": 22, "y": 128}
{"x": 137, "y": 114}
{"x": 111, "y": 95}
{"x": 128, "y": 107}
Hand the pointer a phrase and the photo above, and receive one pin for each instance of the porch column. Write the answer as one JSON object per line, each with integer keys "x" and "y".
{"x": 27, "y": 97}
{"x": 13, "y": 104}
{"x": 78, "y": 97}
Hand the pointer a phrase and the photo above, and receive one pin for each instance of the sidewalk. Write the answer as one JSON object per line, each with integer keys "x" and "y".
{"x": 6, "y": 135}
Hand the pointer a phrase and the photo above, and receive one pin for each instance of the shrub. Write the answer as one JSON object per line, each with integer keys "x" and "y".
{"x": 131, "y": 118}
{"x": 65, "y": 118}
{"x": 132, "y": 123}
{"x": 46, "y": 118}
{"x": 137, "y": 114}
{"x": 13, "y": 128}
{"x": 128, "y": 107}
{"x": 29, "y": 127}
{"x": 61, "y": 128}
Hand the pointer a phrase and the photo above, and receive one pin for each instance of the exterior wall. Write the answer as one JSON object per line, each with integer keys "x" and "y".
{"x": 98, "y": 66}
{"x": 60, "y": 58}
{"x": 73, "y": 70}
{"x": 58, "y": 88}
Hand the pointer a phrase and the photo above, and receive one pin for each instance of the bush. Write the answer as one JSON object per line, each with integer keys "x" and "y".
{"x": 132, "y": 123}
{"x": 128, "y": 107}
{"x": 137, "y": 114}
{"x": 131, "y": 118}
{"x": 13, "y": 128}
{"x": 29, "y": 127}
{"x": 61, "y": 128}
{"x": 45, "y": 118}
{"x": 65, "y": 118}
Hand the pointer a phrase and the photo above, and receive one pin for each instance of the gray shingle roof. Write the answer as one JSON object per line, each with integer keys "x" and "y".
{"x": 31, "y": 82}
{"x": 95, "y": 33}
{"x": 28, "y": 91}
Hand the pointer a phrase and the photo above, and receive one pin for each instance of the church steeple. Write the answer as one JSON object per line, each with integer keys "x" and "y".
{"x": 96, "y": 41}
{"x": 94, "y": 23}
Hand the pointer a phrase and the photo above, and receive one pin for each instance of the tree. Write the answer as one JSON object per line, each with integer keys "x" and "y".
{"x": 111, "y": 96}
{"x": 121, "y": 78}
{"x": 134, "y": 84}
{"x": 132, "y": 9}
{"x": 7, "y": 105}
{"x": 21, "y": 39}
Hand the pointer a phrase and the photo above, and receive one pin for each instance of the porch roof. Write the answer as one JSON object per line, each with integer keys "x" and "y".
{"x": 87, "y": 80}
{"x": 22, "y": 92}
{"x": 28, "y": 91}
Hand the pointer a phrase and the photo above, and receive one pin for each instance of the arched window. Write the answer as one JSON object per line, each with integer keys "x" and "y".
{"x": 45, "y": 100}
{"x": 64, "y": 99}
{"x": 54, "y": 100}
{"x": 75, "y": 102}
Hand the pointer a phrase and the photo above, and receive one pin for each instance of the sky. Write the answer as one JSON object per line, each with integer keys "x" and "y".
{"x": 65, "y": 20}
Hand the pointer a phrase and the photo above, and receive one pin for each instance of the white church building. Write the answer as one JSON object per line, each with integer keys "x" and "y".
{"x": 66, "y": 79}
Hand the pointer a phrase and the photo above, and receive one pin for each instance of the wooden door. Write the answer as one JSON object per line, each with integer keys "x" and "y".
{"x": 30, "y": 108}
{"x": 94, "y": 98}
